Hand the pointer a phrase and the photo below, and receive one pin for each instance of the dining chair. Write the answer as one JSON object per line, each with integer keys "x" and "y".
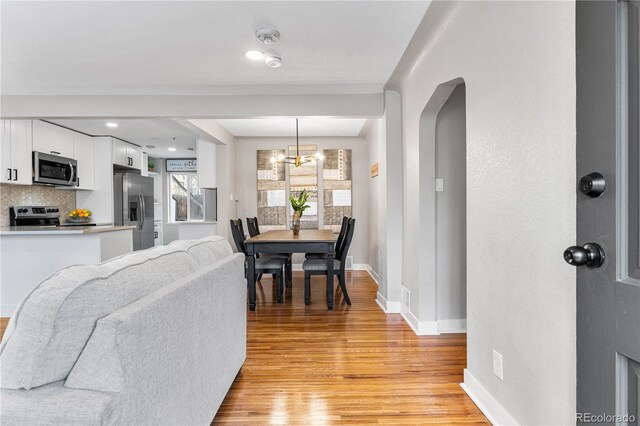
{"x": 254, "y": 229}
{"x": 263, "y": 265}
{"x": 319, "y": 266}
{"x": 343, "y": 230}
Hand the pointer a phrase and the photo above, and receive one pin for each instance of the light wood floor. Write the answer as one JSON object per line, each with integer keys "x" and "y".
{"x": 354, "y": 365}
{"x": 306, "y": 365}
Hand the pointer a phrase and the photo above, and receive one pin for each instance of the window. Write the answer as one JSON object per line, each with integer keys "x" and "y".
{"x": 186, "y": 199}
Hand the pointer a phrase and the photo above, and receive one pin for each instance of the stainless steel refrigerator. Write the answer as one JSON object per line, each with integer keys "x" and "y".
{"x": 133, "y": 205}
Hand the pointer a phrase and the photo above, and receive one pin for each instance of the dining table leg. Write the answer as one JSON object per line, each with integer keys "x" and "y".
{"x": 251, "y": 277}
{"x": 330, "y": 277}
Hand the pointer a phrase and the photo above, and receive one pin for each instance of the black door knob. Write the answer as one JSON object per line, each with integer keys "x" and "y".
{"x": 591, "y": 254}
{"x": 592, "y": 185}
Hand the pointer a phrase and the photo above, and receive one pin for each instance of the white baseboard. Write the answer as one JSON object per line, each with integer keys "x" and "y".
{"x": 374, "y": 275}
{"x": 452, "y": 326}
{"x": 387, "y": 306}
{"x": 489, "y": 406}
{"x": 7, "y": 310}
{"x": 421, "y": 328}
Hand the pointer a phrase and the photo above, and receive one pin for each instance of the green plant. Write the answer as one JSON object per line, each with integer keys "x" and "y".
{"x": 300, "y": 204}
{"x": 151, "y": 165}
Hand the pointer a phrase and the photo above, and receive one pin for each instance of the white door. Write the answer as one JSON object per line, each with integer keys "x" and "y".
{"x": 6, "y": 174}
{"x": 52, "y": 139}
{"x": 120, "y": 152}
{"x": 83, "y": 150}
{"x": 21, "y": 148}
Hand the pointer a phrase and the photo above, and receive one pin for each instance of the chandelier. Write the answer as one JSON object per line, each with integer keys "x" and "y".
{"x": 297, "y": 160}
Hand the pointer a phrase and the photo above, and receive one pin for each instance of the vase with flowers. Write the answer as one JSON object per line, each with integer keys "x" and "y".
{"x": 299, "y": 205}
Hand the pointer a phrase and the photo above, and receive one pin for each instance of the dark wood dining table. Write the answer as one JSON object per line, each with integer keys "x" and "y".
{"x": 308, "y": 241}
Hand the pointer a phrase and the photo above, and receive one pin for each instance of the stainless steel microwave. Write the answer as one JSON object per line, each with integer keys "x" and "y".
{"x": 54, "y": 170}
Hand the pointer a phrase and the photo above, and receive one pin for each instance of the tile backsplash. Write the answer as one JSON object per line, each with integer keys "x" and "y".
{"x": 34, "y": 195}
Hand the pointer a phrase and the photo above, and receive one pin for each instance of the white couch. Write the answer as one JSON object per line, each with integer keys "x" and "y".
{"x": 152, "y": 337}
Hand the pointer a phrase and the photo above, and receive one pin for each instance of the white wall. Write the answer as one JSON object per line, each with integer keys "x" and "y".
{"x": 246, "y": 183}
{"x": 518, "y": 62}
{"x": 451, "y": 212}
{"x": 371, "y": 133}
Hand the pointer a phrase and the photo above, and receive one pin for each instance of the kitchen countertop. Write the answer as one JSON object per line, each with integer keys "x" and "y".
{"x": 60, "y": 230}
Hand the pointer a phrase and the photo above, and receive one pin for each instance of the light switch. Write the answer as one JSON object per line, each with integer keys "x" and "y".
{"x": 439, "y": 185}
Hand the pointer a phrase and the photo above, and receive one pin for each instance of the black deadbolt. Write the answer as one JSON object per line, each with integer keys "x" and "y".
{"x": 592, "y": 185}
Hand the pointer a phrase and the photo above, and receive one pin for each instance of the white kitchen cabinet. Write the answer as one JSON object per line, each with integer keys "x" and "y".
{"x": 144, "y": 164}
{"x": 120, "y": 153}
{"x": 83, "y": 154}
{"x": 206, "y": 164}
{"x": 126, "y": 154}
{"x": 52, "y": 139}
{"x": 15, "y": 152}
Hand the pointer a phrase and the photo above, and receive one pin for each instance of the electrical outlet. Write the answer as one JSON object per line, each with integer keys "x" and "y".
{"x": 439, "y": 185}
{"x": 497, "y": 365}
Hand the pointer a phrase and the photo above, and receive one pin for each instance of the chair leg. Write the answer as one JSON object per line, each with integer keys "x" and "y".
{"x": 307, "y": 288}
{"x": 279, "y": 286}
{"x": 289, "y": 274}
{"x": 259, "y": 277}
{"x": 343, "y": 286}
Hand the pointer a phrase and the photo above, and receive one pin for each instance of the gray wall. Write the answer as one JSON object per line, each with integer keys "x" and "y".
{"x": 451, "y": 209}
{"x": 246, "y": 183}
{"x": 371, "y": 132}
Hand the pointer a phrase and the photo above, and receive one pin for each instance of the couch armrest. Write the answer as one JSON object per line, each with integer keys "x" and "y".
{"x": 173, "y": 353}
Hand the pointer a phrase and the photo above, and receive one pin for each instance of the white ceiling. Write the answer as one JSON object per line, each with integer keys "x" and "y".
{"x": 174, "y": 47}
{"x": 316, "y": 127}
{"x": 163, "y": 133}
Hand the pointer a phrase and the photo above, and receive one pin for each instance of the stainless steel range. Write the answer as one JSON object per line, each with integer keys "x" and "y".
{"x": 39, "y": 216}
{"x": 34, "y": 216}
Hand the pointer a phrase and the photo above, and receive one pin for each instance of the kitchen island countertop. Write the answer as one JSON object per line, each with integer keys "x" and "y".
{"x": 60, "y": 230}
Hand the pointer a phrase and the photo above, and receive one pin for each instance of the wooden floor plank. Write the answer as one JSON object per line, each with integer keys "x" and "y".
{"x": 353, "y": 365}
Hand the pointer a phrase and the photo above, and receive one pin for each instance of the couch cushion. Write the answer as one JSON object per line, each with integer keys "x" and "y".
{"x": 206, "y": 251}
{"x": 53, "y": 324}
{"x": 53, "y": 404}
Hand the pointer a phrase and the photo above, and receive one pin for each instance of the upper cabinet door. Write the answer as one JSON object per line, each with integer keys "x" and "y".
{"x": 120, "y": 153}
{"x": 52, "y": 139}
{"x": 5, "y": 152}
{"x": 135, "y": 155}
{"x": 21, "y": 148}
{"x": 83, "y": 149}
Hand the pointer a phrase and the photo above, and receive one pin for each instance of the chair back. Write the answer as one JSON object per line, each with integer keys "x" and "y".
{"x": 346, "y": 242}
{"x": 343, "y": 230}
{"x": 238, "y": 235}
{"x": 252, "y": 226}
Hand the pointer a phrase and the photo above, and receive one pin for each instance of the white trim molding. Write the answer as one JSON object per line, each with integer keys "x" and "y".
{"x": 387, "y": 306}
{"x": 452, "y": 326}
{"x": 420, "y": 328}
{"x": 486, "y": 402}
{"x": 374, "y": 275}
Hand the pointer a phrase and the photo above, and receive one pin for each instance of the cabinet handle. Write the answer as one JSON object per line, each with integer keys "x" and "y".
{"x": 155, "y": 234}
{"x": 15, "y": 173}
{"x": 55, "y": 152}
{"x": 77, "y": 181}
{"x": 9, "y": 174}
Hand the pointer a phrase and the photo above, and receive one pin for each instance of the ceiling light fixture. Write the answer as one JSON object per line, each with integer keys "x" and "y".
{"x": 267, "y": 35}
{"x": 297, "y": 160}
{"x": 273, "y": 61}
{"x": 172, "y": 149}
{"x": 254, "y": 55}
{"x": 112, "y": 124}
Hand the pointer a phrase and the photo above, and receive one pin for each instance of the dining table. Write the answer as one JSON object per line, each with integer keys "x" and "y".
{"x": 284, "y": 241}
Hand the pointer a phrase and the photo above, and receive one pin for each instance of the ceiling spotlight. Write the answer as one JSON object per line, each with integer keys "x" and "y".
{"x": 254, "y": 55}
{"x": 268, "y": 36}
{"x": 273, "y": 61}
{"x": 112, "y": 124}
{"x": 150, "y": 146}
{"x": 172, "y": 149}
